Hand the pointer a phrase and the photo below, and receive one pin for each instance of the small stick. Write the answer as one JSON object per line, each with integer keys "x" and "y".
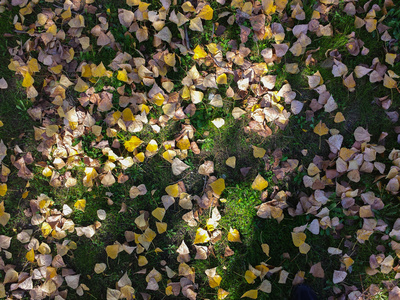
{"x": 212, "y": 35}
{"x": 187, "y": 38}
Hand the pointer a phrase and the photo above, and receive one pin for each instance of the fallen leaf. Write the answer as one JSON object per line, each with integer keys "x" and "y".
{"x": 259, "y": 183}
{"x": 321, "y": 129}
{"x": 234, "y": 236}
{"x": 252, "y": 294}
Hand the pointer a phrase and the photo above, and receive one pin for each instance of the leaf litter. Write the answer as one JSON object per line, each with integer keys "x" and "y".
{"x": 147, "y": 99}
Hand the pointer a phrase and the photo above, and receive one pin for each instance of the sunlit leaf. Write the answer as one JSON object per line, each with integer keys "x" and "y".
{"x": 199, "y": 52}
{"x": 80, "y": 204}
{"x": 259, "y": 183}
{"x": 252, "y": 294}
{"x": 234, "y": 236}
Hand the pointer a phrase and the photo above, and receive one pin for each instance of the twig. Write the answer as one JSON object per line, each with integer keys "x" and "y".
{"x": 187, "y": 38}
{"x": 211, "y": 38}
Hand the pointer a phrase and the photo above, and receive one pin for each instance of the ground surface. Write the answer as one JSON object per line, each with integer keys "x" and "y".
{"x": 201, "y": 150}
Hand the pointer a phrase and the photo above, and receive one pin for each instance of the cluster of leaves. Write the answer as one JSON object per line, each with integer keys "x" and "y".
{"x": 98, "y": 123}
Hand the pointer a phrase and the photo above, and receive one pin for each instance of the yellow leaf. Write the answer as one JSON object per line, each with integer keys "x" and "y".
{"x": 133, "y": 2}
{"x": 247, "y": 8}
{"x": 140, "y": 156}
{"x": 86, "y": 71}
{"x": 313, "y": 169}
{"x": 122, "y": 75}
{"x": 133, "y": 143}
{"x": 81, "y": 86}
{"x": 152, "y": 146}
{"x": 28, "y": 80}
{"x": 249, "y": 276}
{"x": 348, "y": 261}
{"x": 161, "y": 227}
{"x": 18, "y": 26}
{"x": 30, "y": 256}
{"x": 234, "y": 236}
{"x": 169, "y": 59}
{"x": 158, "y": 213}
{"x": 100, "y": 268}
{"x": 33, "y": 65}
{"x": 183, "y": 143}
{"x": 143, "y": 6}
{"x": 222, "y": 294}
{"x": 214, "y": 281}
{"x": 168, "y": 290}
{"x": 304, "y": 248}
{"x": 321, "y": 129}
{"x": 127, "y": 115}
{"x": 213, "y": 48}
{"x": 188, "y": 7}
{"x": 25, "y": 194}
{"x": 199, "y": 52}
{"x": 172, "y": 190}
{"x": 218, "y": 186}
{"x": 142, "y": 261}
{"x": 390, "y": 57}
{"x": 389, "y": 82}
{"x": 1, "y": 124}
{"x": 206, "y": 13}
{"x": 149, "y": 235}
{"x": 80, "y": 204}
{"x": 3, "y": 189}
{"x": 158, "y": 99}
{"x": 265, "y": 248}
{"x": 259, "y": 183}
{"x": 57, "y": 69}
{"x": 281, "y": 4}
{"x": 298, "y": 238}
{"x": 222, "y": 79}
{"x": 66, "y": 14}
{"x": 231, "y": 162}
{"x": 349, "y": 82}
{"x": 185, "y": 94}
{"x": 268, "y": 6}
{"x": 339, "y": 117}
{"x": 201, "y": 236}
{"x": 112, "y": 251}
{"x": 169, "y": 155}
{"x": 46, "y": 229}
{"x": 99, "y": 71}
{"x": 44, "y": 249}
{"x": 258, "y": 152}
{"x": 47, "y": 172}
{"x": 211, "y": 224}
{"x": 252, "y": 294}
